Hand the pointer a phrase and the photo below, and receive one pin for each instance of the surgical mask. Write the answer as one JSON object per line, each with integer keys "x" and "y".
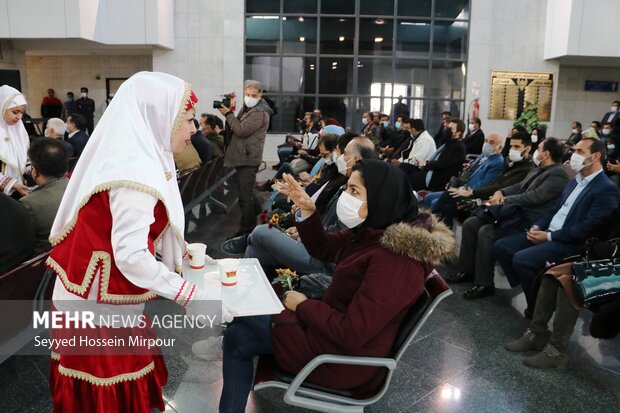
{"x": 83, "y": 94}
{"x": 611, "y": 147}
{"x": 515, "y": 155}
{"x": 329, "y": 160}
{"x": 534, "y": 138}
{"x": 576, "y": 162}
{"x": 347, "y": 210}
{"x": 250, "y": 102}
{"x": 614, "y": 108}
{"x": 342, "y": 165}
{"x": 69, "y": 99}
{"x": 606, "y": 132}
{"x": 471, "y": 127}
{"x": 574, "y": 130}
{"x": 46, "y": 133}
{"x": 365, "y": 121}
{"x": 386, "y": 123}
{"x": 488, "y": 149}
{"x": 397, "y": 125}
{"x": 535, "y": 158}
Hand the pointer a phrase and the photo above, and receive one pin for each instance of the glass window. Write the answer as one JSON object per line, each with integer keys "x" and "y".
{"x": 372, "y": 71}
{"x": 262, "y": 34}
{"x": 265, "y": 69}
{"x": 413, "y": 74}
{"x": 337, "y": 6}
{"x": 299, "y": 35}
{"x": 262, "y": 6}
{"x": 449, "y": 39}
{"x": 300, "y": 6}
{"x": 290, "y": 110}
{"x": 376, "y": 37}
{"x": 452, "y": 9}
{"x": 337, "y": 108}
{"x": 413, "y": 38}
{"x": 337, "y": 35}
{"x": 336, "y": 76}
{"x": 434, "y": 113}
{"x": 377, "y": 7}
{"x": 414, "y": 7}
{"x": 448, "y": 80}
{"x": 299, "y": 74}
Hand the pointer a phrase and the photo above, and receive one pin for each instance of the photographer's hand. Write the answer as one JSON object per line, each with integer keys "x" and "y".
{"x": 223, "y": 110}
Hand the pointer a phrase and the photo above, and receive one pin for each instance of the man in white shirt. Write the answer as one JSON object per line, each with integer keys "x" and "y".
{"x": 588, "y": 200}
{"x": 422, "y": 146}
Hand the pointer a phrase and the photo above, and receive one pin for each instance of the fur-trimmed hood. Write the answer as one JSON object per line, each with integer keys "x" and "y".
{"x": 426, "y": 239}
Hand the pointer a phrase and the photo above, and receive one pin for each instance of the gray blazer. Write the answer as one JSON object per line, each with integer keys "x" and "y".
{"x": 42, "y": 205}
{"x": 537, "y": 194}
{"x": 249, "y": 131}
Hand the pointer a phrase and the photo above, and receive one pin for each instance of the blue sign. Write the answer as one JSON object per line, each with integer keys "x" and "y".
{"x": 600, "y": 86}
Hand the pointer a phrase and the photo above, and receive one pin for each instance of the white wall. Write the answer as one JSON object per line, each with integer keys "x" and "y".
{"x": 503, "y": 39}
{"x": 104, "y": 21}
{"x": 70, "y": 73}
{"x": 582, "y": 28}
{"x": 14, "y": 59}
{"x": 208, "y": 49}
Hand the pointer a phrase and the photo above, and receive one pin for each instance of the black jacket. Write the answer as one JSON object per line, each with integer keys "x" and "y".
{"x": 474, "y": 141}
{"x": 78, "y": 141}
{"x": 512, "y": 173}
{"x": 18, "y": 238}
{"x": 448, "y": 164}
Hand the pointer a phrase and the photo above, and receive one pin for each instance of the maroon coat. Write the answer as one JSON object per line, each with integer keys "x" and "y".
{"x": 378, "y": 276}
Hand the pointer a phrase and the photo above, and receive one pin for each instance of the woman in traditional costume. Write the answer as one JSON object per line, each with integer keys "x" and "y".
{"x": 14, "y": 141}
{"x": 121, "y": 205}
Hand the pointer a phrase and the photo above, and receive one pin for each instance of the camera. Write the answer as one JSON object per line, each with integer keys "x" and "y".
{"x": 227, "y": 100}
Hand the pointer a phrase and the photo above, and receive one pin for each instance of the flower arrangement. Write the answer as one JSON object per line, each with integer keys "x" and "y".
{"x": 275, "y": 221}
{"x": 287, "y": 278}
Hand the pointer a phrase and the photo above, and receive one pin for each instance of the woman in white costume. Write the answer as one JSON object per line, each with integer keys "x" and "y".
{"x": 14, "y": 141}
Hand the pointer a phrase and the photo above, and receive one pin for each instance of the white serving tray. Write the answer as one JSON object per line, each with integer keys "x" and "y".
{"x": 253, "y": 294}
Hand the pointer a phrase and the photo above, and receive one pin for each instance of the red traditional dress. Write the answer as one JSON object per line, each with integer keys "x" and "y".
{"x": 121, "y": 205}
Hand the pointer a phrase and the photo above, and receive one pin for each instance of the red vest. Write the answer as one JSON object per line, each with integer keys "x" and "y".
{"x": 88, "y": 248}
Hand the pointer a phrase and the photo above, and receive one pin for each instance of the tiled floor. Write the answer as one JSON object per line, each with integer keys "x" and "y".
{"x": 457, "y": 363}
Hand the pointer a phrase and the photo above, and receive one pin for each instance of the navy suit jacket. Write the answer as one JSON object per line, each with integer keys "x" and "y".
{"x": 78, "y": 141}
{"x": 593, "y": 205}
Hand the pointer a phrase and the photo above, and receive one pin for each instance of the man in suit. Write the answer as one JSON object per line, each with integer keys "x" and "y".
{"x": 447, "y": 161}
{"x": 475, "y": 138}
{"x": 56, "y": 130}
{"x": 76, "y": 137}
{"x": 439, "y": 136}
{"x": 479, "y": 173}
{"x": 85, "y": 106}
{"x": 521, "y": 204}
{"x": 49, "y": 166}
{"x": 575, "y": 134}
{"x": 587, "y": 200}
{"x": 17, "y": 240}
{"x": 612, "y": 115}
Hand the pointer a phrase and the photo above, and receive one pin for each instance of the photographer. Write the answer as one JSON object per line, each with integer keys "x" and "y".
{"x": 245, "y": 150}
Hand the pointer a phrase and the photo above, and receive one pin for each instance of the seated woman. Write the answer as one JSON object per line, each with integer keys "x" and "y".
{"x": 381, "y": 264}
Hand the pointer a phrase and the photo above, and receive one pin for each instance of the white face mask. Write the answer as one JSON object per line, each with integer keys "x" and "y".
{"x": 471, "y": 127}
{"x": 365, "y": 121}
{"x": 606, "y": 132}
{"x": 515, "y": 155}
{"x": 576, "y": 162}
{"x": 488, "y": 149}
{"x": 397, "y": 125}
{"x": 535, "y": 158}
{"x": 84, "y": 94}
{"x": 250, "y": 102}
{"x": 46, "y": 133}
{"x": 347, "y": 210}
{"x": 574, "y": 130}
{"x": 329, "y": 160}
{"x": 614, "y": 108}
{"x": 534, "y": 138}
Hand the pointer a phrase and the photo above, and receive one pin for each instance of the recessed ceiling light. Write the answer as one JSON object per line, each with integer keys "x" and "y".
{"x": 341, "y": 38}
{"x": 379, "y": 21}
{"x": 378, "y": 39}
{"x": 301, "y": 19}
{"x": 302, "y": 39}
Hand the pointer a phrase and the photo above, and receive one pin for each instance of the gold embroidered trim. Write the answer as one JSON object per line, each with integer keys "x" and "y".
{"x": 107, "y": 187}
{"x": 121, "y": 298}
{"x": 182, "y": 111}
{"x": 106, "y": 381}
{"x": 79, "y": 289}
{"x": 55, "y": 356}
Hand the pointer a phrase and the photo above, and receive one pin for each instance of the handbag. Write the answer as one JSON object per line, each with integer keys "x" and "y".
{"x": 314, "y": 285}
{"x": 597, "y": 281}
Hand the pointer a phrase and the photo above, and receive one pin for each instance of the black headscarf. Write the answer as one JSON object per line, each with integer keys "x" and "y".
{"x": 388, "y": 193}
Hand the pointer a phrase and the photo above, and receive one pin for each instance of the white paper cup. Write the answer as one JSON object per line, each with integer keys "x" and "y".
{"x": 228, "y": 271}
{"x": 196, "y": 255}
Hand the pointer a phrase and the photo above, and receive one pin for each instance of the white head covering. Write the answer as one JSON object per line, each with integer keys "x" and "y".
{"x": 14, "y": 141}
{"x": 131, "y": 148}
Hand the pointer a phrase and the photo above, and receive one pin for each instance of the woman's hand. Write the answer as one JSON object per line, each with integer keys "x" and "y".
{"x": 296, "y": 193}
{"x": 21, "y": 188}
{"x": 292, "y": 299}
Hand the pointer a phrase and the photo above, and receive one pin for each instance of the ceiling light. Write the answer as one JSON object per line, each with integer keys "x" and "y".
{"x": 301, "y": 19}
{"x": 341, "y": 38}
{"x": 379, "y": 21}
{"x": 302, "y": 39}
{"x": 284, "y": 18}
{"x": 378, "y": 39}
{"x": 266, "y": 17}
{"x": 342, "y": 20}
{"x": 334, "y": 63}
{"x": 413, "y": 24}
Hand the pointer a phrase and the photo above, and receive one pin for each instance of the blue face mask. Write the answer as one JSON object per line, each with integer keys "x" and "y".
{"x": 69, "y": 99}
{"x": 386, "y": 123}
{"x": 488, "y": 149}
{"x": 397, "y": 125}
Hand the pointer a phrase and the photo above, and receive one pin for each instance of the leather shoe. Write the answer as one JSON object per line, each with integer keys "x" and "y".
{"x": 236, "y": 245}
{"x": 460, "y": 277}
{"x": 479, "y": 291}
